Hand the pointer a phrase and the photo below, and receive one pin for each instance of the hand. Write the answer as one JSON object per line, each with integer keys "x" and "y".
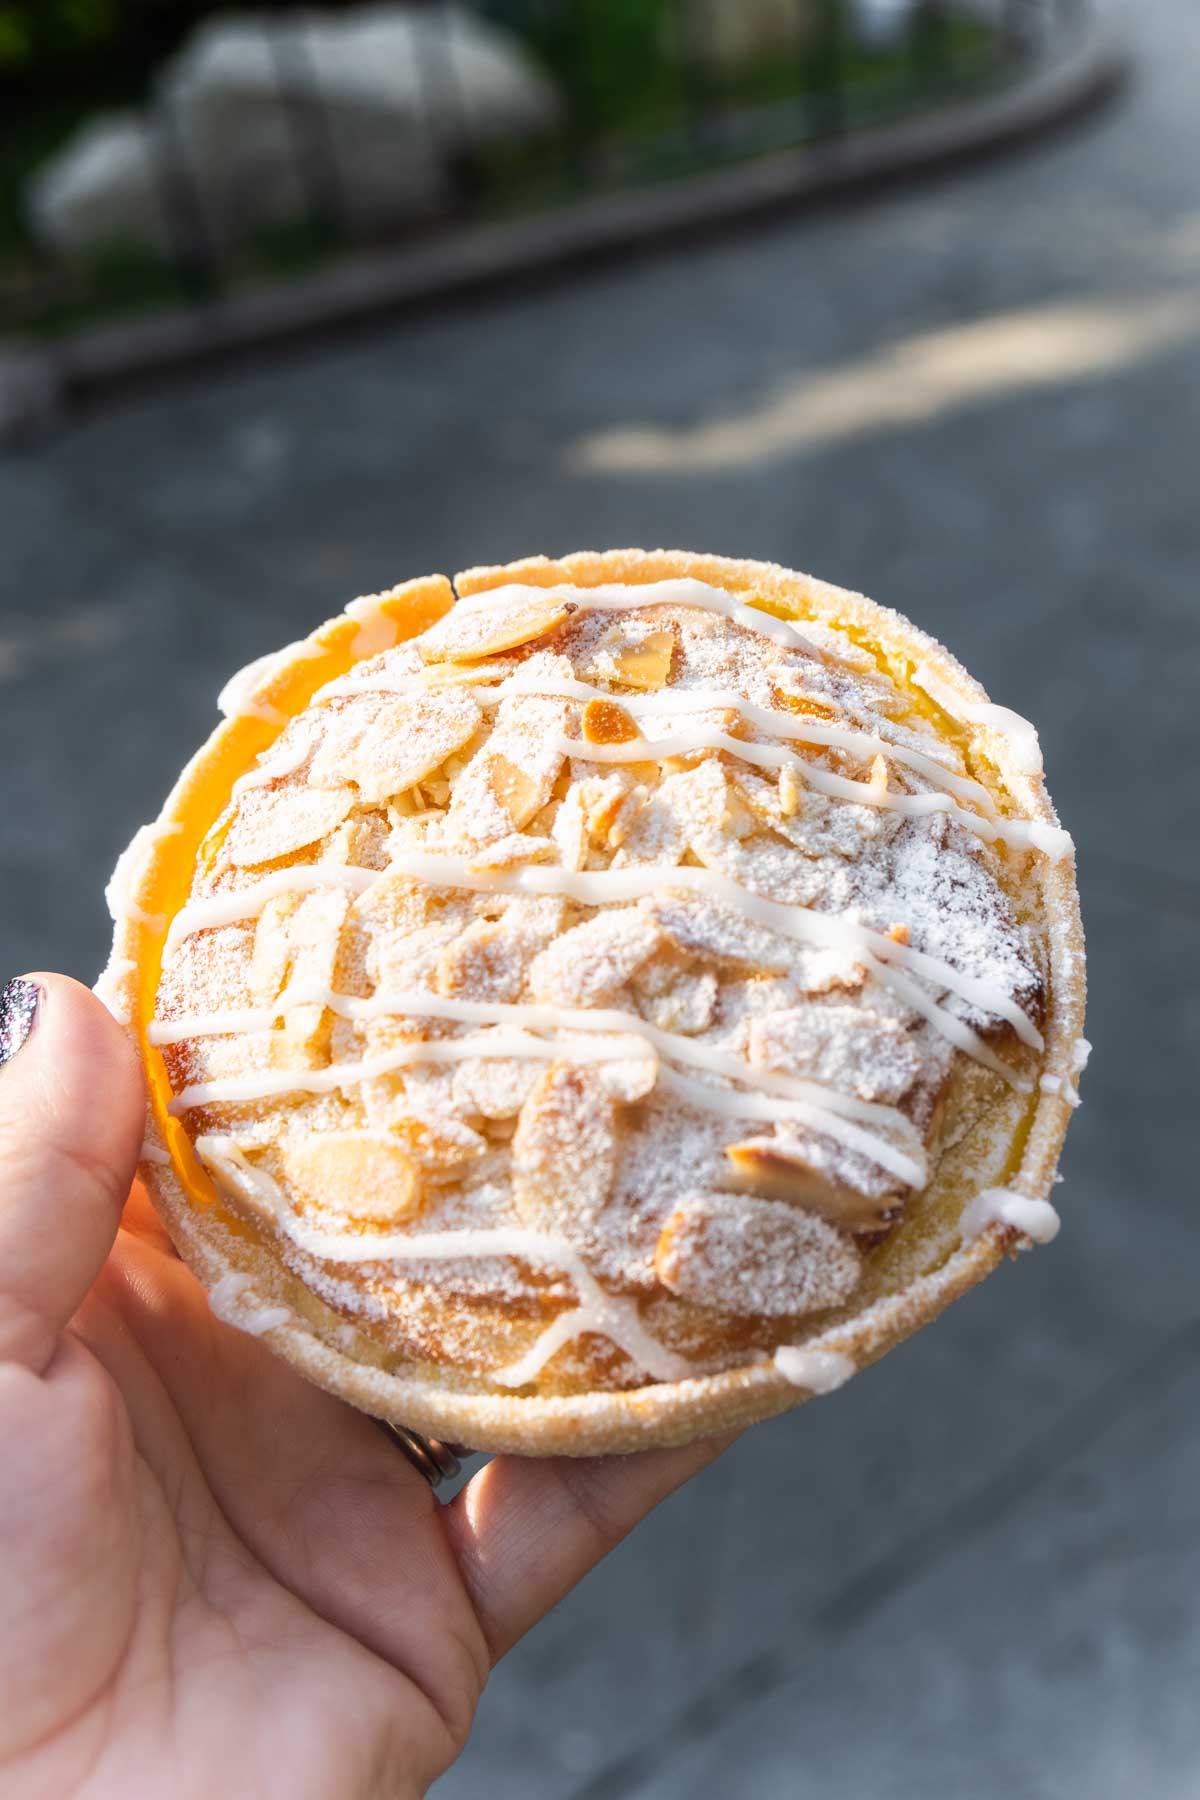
{"x": 220, "y": 1580}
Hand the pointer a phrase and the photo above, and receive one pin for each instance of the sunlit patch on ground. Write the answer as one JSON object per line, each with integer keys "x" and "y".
{"x": 920, "y": 378}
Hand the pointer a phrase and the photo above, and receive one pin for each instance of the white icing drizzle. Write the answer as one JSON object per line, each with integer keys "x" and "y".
{"x": 771, "y": 1096}
{"x": 226, "y": 1301}
{"x": 377, "y": 629}
{"x": 128, "y": 872}
{"x": 278, "y": 766}
{"x": 1022, "y": 834}
{"x": 224, "y": 1158}
{"x": 771, "y": 719}
{"x": 1081, "y": 1050}
{"x": 819, "y": 1371}
{"x": 622, "y": 597}
{"x": 1036, "y": 1219}
{"x": 105, "y": 987}
{"x": 419, "y": 1003}
{"x": 248, "y": 902}
{"x": 1020, "y": 733}
{"x": 608, "y": 1315}
{"x": 236, "y": 699}
{"x": 264, "y": 1084}
{"x": 154, "y": 1153}
{"x": 227, "y": 1024}
{"x": 778, "y": 723}
{"x": 734, "y": 1104}
{"x": 596, "y": 887}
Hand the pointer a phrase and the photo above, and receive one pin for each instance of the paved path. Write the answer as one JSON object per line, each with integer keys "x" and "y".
{"x": 974, "y": 1573}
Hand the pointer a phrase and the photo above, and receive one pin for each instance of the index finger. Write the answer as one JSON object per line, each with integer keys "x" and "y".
{"x": 526, "y": 1530}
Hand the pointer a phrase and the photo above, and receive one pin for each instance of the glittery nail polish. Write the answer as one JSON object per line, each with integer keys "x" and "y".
{"x": 18, "y": 1005}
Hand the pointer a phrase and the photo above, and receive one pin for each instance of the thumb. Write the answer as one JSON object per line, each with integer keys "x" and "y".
{"x": 71, "y": 1121}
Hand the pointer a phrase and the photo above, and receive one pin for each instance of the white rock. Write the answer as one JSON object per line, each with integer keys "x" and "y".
{"x": 402, "y": 91}
{"x": 99, "y": 190}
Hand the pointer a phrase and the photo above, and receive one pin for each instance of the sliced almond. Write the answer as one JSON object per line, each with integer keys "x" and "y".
{"x": 564, "y": 1152}
{"x": 296, "y": 946}
{"x": 781, "y": 1171}
{"x": 848, "y": 1048}
{"x": 514, "y": 851}
{"x": 271, "y": 957}
{"x": 634, "y": 653}
{"x": 439, "y": 1144}
{"x": 646, "y": 666}
{"x": 602, "y": 799}
{"x": 674, "y": 998}
{"x": 391, "y": 908}
{"x": 570, "y": 832}
{"x": 519, "y": 793}
{"x": 495, "y": 1087}
{"x": 386, "y": 747}
{"x": 793, "y": 700}
{"x": 704, "y": 928}
{"x": 443, "y": 675}
{"x": 275, "y": 822}
{"x": 301, "y": 1040}
{"x": 754, "y": 1258}
{"x": 589, "y": 964}
{"x": 604, "y": 722}
{"x": 413, "y": 960}
{"x": 791, "y": 791}
{"x": 689, "y": 807}
{"x": 760, "y": 862}
{"x": 878, "y": 782}
{"x": 631, "y": 1079}
{"x": 488, "y": 961}
{"x": 716, "y": 718}
{"x": 359, "y": 1173}
{"x": 539, "y": 917}
{"x": 468, "y": 633}
{"x": 625, "y": 816}
{"x": 361, "y": 840}
{"x": 512, "y": 777}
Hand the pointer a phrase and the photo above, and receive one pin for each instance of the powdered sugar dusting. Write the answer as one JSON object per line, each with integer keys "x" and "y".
{"x": 430, "y": 828}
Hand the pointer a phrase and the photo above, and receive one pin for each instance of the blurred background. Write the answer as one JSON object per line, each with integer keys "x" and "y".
{"x": 974, "y": 395}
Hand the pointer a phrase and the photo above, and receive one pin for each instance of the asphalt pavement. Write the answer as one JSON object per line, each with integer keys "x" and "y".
{"x": 975, "y": 1572}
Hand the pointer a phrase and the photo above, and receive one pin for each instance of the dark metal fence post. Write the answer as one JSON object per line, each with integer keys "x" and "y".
{"x": 584, "y": 111}
{"x": 298, "y": 84}
{"x": 695, "y": 83}
{"x": 928, "y": 39}
{"x": 190, "y": 234}
{"x": 448, "y": 116}
{"x": 825, "y": 74}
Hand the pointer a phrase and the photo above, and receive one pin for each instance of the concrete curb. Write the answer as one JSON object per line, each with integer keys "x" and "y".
{"x": 37, "y": 382}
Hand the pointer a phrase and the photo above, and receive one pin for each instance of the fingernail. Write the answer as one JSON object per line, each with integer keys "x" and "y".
{"x": 18, "y": 1005}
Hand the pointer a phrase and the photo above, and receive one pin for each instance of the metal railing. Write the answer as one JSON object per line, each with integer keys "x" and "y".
{"x": 644, "y": 98}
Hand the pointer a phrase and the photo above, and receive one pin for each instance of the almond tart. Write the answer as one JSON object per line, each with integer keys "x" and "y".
{"x": 602, "y": 1002}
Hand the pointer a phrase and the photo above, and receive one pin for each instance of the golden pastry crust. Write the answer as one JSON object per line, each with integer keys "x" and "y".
{"x": 592, "y": 1395}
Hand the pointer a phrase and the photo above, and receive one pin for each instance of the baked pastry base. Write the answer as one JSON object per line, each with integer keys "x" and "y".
{"x": 921, "y": 1268}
